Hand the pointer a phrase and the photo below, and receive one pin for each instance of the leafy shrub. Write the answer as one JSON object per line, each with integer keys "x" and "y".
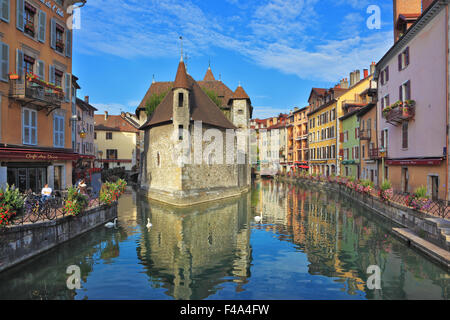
{"x": 421, "y": 192}
{"x": 11, "y": 201}
{"x": 386, "y": 185}
{"x": 75, "y": 202}
{"x": 111, "y": 191}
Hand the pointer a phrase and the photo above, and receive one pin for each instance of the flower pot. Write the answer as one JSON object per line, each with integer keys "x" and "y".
{"x": 14, "y": 77}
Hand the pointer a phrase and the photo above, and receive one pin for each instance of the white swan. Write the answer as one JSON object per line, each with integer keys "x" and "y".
{"x": 258, "y": 218}
{"x": 110, "y": 224}
{"x": 149, "y": 224}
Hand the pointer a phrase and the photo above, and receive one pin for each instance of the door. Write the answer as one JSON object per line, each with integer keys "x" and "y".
{"x": 405, "y": 178}
{"x": 58, "y": 177}
{"x": 435, "y": 187}
{"x": 372, "y": 177}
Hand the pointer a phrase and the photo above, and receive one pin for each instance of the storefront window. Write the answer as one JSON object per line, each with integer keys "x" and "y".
{"x": 27, "y": 178}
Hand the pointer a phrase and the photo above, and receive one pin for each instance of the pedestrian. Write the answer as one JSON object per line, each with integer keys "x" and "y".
{"x": 46, "y": 192}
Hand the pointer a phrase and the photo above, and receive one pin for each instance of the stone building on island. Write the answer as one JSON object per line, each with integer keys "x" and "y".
{"x": 179, "y": 166}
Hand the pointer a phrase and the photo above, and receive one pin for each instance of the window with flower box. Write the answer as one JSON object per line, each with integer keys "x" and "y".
{"x": 28, "y": 16}
{"x": 28, "y": 64}
{"x": 59, "y": 44}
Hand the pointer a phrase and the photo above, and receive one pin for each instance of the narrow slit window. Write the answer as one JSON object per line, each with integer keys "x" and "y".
{"x": 180, "y": 99}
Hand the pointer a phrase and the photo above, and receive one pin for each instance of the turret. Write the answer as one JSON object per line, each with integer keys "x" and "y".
{"x": 241, "y": 108}
{"x": 181, "y": 96}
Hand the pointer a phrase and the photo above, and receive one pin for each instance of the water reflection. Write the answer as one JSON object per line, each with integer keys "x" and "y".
{"x": 308, "y": 245}
{"x": 193, "y": 250}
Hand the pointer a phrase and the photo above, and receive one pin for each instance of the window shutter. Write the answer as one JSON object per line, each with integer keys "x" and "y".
{"x": 53, "y": 34}
{"x": 382, "y": 104}
{"x": 67, "y": 87}
{"x": 407, "y": 56}
{"x": 382, "y": 139}
{"x": 4, "y": 12}
{"x": 20, "y": 65}
{"x": 51, "y": 74}
{"x": 20, "y": 10}
{"x": 4, "y": 61}
{"x": 61, "y": 134}
{"x": 382, "y": 77}
{"x": 405, "y": 135}
{"x": 400, "y": 62}
{"x": 68, "y": 43}
{"x": 41, "y": 70}
{"x": 400, "y": 93}
{"x": 408, "y": 90}
{"x": 42, "y": 25}
{"x": 388, "y": 101}
{"x": 387, "y": 73}
{"x": 55, "y": 131}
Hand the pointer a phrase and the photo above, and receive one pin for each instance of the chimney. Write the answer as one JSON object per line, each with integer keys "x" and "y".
{"x": 357, "y": 76}
{"x": 352, "y": 79}
{"x": 366, "y": 73}
{"x": 372, "y": 67}
{"x": 345, "y": 83}
{"x": 86, "y": 99}
{"x": 106, "y": 115}
{"x": 406, "y": 7}
{"x": 426, "y": 4}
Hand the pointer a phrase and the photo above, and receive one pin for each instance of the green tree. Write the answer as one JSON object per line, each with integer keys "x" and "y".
{"x": 213, "y": 96}
{"x": 153, "y": 102}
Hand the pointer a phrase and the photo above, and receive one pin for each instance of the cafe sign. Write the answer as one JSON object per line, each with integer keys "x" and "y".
{"x": 53, "y": 7}
{"x": 17, "y": 154}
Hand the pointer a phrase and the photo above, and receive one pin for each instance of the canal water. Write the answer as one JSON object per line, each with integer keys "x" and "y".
{"x": 309, "y": 244}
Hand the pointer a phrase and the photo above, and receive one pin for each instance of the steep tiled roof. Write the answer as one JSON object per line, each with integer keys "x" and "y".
{"x": 202, "y": 109}
{"x": 240, "y": 94}
{"x": 209, "y": 75}
{"x": 181, "y": 80}
{"x": 112, "y": 123}
{"x": 84, "y": 105}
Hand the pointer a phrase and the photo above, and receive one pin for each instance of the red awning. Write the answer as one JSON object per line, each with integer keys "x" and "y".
{"x": 304, "y": 167}
{"x": 35, "y": 155}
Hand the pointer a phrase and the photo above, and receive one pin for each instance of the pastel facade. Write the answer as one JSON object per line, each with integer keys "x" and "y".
{"x": 415, "y": 71}
{"x": 36, "y": 109}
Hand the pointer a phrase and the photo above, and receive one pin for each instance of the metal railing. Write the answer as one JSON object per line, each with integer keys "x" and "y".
{"x": 32, "y": 91}
{"x": 38, "y": 210}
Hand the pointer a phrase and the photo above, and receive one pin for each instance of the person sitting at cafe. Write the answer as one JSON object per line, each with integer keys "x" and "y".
{"x": 46, "y": 192}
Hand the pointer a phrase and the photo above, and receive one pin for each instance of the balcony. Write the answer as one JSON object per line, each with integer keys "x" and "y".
{"x": 37, "y": 93}
{"x": 399, "y": 112}
{"x": 365, "y": 134}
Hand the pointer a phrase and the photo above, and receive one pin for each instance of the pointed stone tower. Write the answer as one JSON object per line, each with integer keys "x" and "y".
{"x": 181, "y": 97}
{"x": 241, "y": 108}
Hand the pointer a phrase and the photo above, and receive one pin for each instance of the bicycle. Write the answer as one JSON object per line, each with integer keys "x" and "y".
{"x": 38, "y": 208}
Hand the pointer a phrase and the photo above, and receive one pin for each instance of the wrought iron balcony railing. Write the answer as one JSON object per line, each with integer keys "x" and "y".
{"x": 34, "y": 93}
{"x": 397, "y": 114}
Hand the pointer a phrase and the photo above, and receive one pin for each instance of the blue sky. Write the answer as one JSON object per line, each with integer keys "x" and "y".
{"x": 277, "y": 49}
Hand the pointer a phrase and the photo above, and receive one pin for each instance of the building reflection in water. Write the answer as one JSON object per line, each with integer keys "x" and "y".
{"x": 191, "y": 251}
{"x": 341, "y": 240}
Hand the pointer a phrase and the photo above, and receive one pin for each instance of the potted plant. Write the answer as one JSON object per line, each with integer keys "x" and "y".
{"x": 386, "y": 192}
{"x": 11, "y": 202}
{"x": 13, "y": 76}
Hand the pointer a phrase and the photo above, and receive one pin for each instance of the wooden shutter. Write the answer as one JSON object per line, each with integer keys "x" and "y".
{"x": 382, "y": 139}
{"x": 400, "y": 93}
{"x": 41, "y": 69}
{"x": 400, "y": 62}
{"x": 382, "y": 103}
{"x": 20, "y": 65}
{"x": 20, "y": 10}
{"x": 51, "y": 74}
{"x": 388, "y": 101}
{"x": 55, "y": 131}
{"x": 4, "y": 10}
{"x": 4, "y": 61}
{"x": 42, "y": 26}
{"x": 67, "y": 83}
{"x": 53, "y": 34}
{"x": 407, "y": 56}
{"x": 408, "y": 90}
{"x": 61, "y": 132}
{"x": 341, "y": 137}
{"x": 68, "y": 43}
{"x": 387, "y": 73}
{"x": 405, "y": 135}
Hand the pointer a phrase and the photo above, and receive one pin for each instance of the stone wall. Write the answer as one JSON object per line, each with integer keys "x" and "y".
{"x": 432, "y": 229}
{"x": 19, "y": 243}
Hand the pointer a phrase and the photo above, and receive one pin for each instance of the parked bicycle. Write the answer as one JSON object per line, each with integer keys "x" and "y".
{"x": 38, "y": 208}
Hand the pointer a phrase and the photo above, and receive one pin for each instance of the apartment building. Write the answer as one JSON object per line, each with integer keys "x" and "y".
{"x": 36, "y": 94}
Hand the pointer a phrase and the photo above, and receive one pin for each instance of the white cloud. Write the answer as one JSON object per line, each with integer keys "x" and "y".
{"x": 278, "y": 34}
{"x": 112, "y": 108}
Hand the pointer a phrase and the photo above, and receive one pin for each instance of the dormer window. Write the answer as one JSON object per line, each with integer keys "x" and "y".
{"x": 180, "y": 99}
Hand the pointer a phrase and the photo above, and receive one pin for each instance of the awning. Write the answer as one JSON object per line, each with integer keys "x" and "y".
{"x": 304, "y": 167}
{"x": 35, "y": 155}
